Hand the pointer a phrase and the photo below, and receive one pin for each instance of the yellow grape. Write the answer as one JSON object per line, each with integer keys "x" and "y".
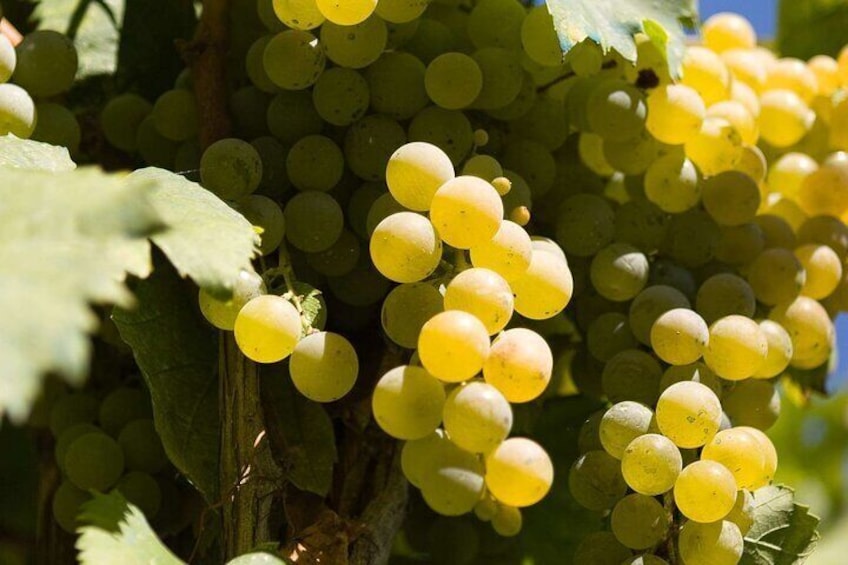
{"x": 738, "y": 115}
{"x": 485, "y": 167}
{"x": 794, "y": 75}
{"x": 809, "y": 326}
{"x": 405, "y": 247}
{"x": 673, "y": 184}
{"x": 768, "y": 450}
{"x": 737, "y": 348}
{"x": 718, "y": 543}
{"x": 415, "y": 172}
{"x": 486, "y": 509}
{"x": 346, "y": 12}
{"x": 519, "y": 364}
{"x": 727, "y": 30}
{"x": 743, "y": 511}
{"x": 519, "y": 472}
{"x": 590, "y": 147}
{"x": 406, "y": 309}
{"x": 639, "y": 521}
{"x": 753, "y": 163}
{"x": 826, "y": 70}
{"x": 824, "y": 193}
{"x": 483, "y": 293}
{"x": 741, "y": 453}
{"x": 539, "y": 38}
{"x": 697, "y": 372}
{"x": 545, "y": 289}
{"x": 675, "y": 113}
{"x": 418, "y": 455}
{"x": 787, "y": 174}
{"x": 508, "y": 253}
{"x": 453, "y": 483}
{"x": 776, "y": 276}
{"x": 299, "y": 14}
{"x": 689, "y": 414}
{"x": 649, "y": 305}
{"x": 823, "y": 268}
{"x": 622, "y": 423}
{"x": 745, "y": 66}
{"x": 222, "y": 314}
{"x": 408, "y": 402}
{"x": 705, "y": 72}
{"x": 401, "y": 11}
{"x": 745, "y": 94}
{"x": 477, "y": 417}
{"x": 679, "y": 336}
{"x": 650, "y": 464}
{"x": 467, "y": 211}
{"x": 784, "y": 118}
{"x": 267, "y": 329}
{"x": 705, "y": 491}
{"x": 508, "y": 521}
{"x": 453, "y": 345}
{"x": 324, "y": 366}
{"x": 717, "y": 147}
{"x": 780, "y": 350}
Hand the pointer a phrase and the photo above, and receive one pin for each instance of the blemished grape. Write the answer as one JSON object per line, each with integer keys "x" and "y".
{"x": 477, "y": 417}
{"x": 601, "y": 548}
{"x": 405, "y": 247}
{"x": 717, "y": 543}
{"x": 639, "y": 521}
{"x": 585, "y": 225}
{"x": 267, "y": 329}
{"x": 741, "y": 453}
{"x": 408, "y": 402}
{"x": 46, "y": 63}
{"x": 483, "y": 293}
{"x": 231, "y": 168}
{"x": 595, "y": 480}
{"x": 622, "y": 423}
{"x": 293, "y": 59}
{"x": 17, "y": 111}
{"x": 453, "y": 80}
{"x": 705, "y": 491}
{"x": 651, "y": 464}
{"x": 519, "y": 472}
{"x": 679, "y": 336}
{"x": 723, "y": 295}
{"x": 355, "y": 46}
{"x": 508, "y": 253}
{"x": 406, "y": 309}
{"x": 453, "y": 345}
{"x": 415, "y": 173}
{"x": 314, "y": 221}
{"x": 324, "y": 366}
{"x": 94, "y": 461}
{"x": 298, "y": 14}
{"x": 222, "y": 313}
{"x": 67, "y": 501}
{"x": 689, "y": 414}
{"x": 142, "y": 447}
{"x": 120, "y": 407}
{"x": 632, "y": 375}
{"x": 519, "y": 364}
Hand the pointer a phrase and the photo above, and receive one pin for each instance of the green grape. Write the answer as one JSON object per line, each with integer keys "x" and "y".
{"x": 508, "y": 521}
{"x": 401, "y": 11}
{"x": 632, "y": 375}
{"x": 369, "y": 143}
{"x": 347, "y": 13}
{"x": 486, "y": 509}
{"x": 622, "y": 423}
{"x": 453, "y": 483}
{"x": 357, "y": 46}
{"x": 521, "y": 105}
{"x": 339, "y": 259}
{"x": 293, "y": 59}
{"x": 649, "y": 305}
{"x": 590, "y": 147}
{"x": 740, "y": 245}
{"x": 705, "y": 491}
{"x": 267, "y": 16}
{"x": 255, "y": 65}
{"x": 155, "y": 149}
{"x": 453, "y": 80}
{"x": 672, "y": 183}
{"x": 533, "y": 162}
{"x": 407, "y": 402}
{"x": 142, "y": 447}
{"x": 640, "y": 224}
{"x": 67, "y": 437}
{"x": 360, "y": 204}
{"x": 608, "y": 335}
{"x": 665, "y": 272}
{"x": 121, "y": 406}
{"x": 314, "y": 221}
{"x": 731, "y": 198}
{"x": 616, "y": 111}
{"x": 496, "y": 23}
{"x": 508, "y": 253}
{"x": 264, "y": 213}
{"x": 651, "y": 464}
{"x": 449, "y": 130}
{"x": 222, "y": 314}
{"x": 292, "y": 116}
{"x": 298, "y": 14}
{"x": 466, "y": 211}
{"x": 363, "y": 286}
{"x": 518, "y": 201}
{"x": 483, "y": 293}
{"x": 822, "y": 266}
{"x": 406, "y": 309}
{"x": 383, "y": 207}
{"x": 120, "y": 120}
{"x": 57, "y": 125}
{"x": 741, "y": 453}
{"x": 141, "y": 490}
{"x": 502, "y": 77}
{"x": 619, "y": 272}
{"x": 184, "y": 80}
{"x": 697, "y": 372}
{"x": 519, "y": 472}
{"x": 692, "y": 238}
{"x": 341, "y": 96}
{"x": 689, "y": 414}
{"x": 753, "y": 403}
{"x": 737, "y": 348}
{"x": 585, "y": 225}
{"x": 485, "y": 167}
{"x": 67, "y": 501}
{"x": 646, "y": 559}
{"x": 405, "y": 247}
{"x": 71, "y": 409}
{"x": 718, "y": 543}
{"x": 324, "y": 366}
{"x": 601, "y": 548}
{"x": 716, "y": 148}
{"x": 810, "y": 328}
{"x": 315, "y": 162}
{"x": 453, "y": 346}
{"x": 8, "y": 58}
{"x": 675, "y": 113}
{"x": 776, "y": 276}
{"x": 780, "y": 350}
{"x": 94, "y": 461}
{"x": 589, "y": 437}
{"x": 46, "y": 63}
{"x": 267, "y": 329}
{"x": 539, "y": 38}
{"x": 231, "y": 168}
{"x": 639, "y": 521}
{"x": 176, "y": 116}
{"x": 776, "y": 231}
{"x": 725, "y": 294}
{"x": 431, "y": 39}
{"x": 17, "y": 111}
{"x": 634, "y": 156}
{"x": 519, "y": 364}
{"x": 545, "y": 289}
{"x": 396, "y": 83}
{"x": 418, "y": 456}
{"x": 743, "y": 512}
{"x": 477, "y": 417}
{"x": 824, "y": 230}
{"x": 415, "y": 172}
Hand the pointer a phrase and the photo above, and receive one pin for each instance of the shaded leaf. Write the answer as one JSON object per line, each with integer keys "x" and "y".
{"x": 784, "y": 532}
{"x": 612, "y": 24}
{"x": 206, "y": 239}
{"x": 117, "y": 532}
{"x": 33, "y": 155}
{"x": 813, "y": 27}
{"x": 300, "y": 431}
{"x": 176, "y": 351}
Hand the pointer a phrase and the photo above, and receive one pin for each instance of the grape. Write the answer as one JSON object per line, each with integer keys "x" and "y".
{"x": 355, "y": 46}
{"x": 453, "y": 80}
{"x": 94, "y": 461}
{"x": 753, "y": 163}
{"x": 585, "y": 58}
{"x": 405, "y": 247}
{"x": 298, "y": 14}
{"x": 231, "y": 168}
{"x": 360, "y": 204}
{"x": 486, "y": 509}
{"x": 705, "y": 72}
{"x": 141, "y": 490}
{"x": 679, "y": 336}
{"x": 406, "y": 309}
{"x": 539, "y": 38}
{"x": 120, "y": 407}
{"x": 675, "y": 113}
{"x": 776, "y": 276}
{"x": 485, "y": 167}
{"x": 737, "y": 348}
{"x": 705, "y": 491}
{"x": 315, "y": 162}
{"x": 496, "y": 23}
{"x": 738, "y": 115}
{"x": 264, "y": 213}
{"x": 672, "y": 183}
{"x": 769, "y": 452}
{"x": 508, "y": 521}
{"x": 8, "y": 59}
{"x": 418, "y": 456}
{"x": 519, "y": 472}
{"x": 401, "y": 11}
{"x": 634, "y": 156}
{"x": 740, "y": 245}
{"x": 716, "y": 148}
{"x": 731, "y": 198}
{"x": 324, "y": 366}
{"x": 616, "y": 111}
{"x": 176, "y": 116}
{"x": 466, "y": 211}
{"x": 396, "y": 83}
{"x": 639, "y": 521}
{"x": 477, "y": 417}
{"x": 339, "y": 259}
{"x": 824, "y": 192}
{"x": 608, "y": 335}
{"x": 590, "y": 147}
{"x": 743, "y": 512}
{"x": 519, "y": 364}
{"x": 780, "y": 350}
{"x": 120, "y": 120}
{"x": 67, "y": 437}
{"x": 619, "y": 272}
{"x": 502, "y": 77}
{"x": 688, "y": 413}
{"x": 142, "y": 447}
{"x": 292, "y": 115}
{"x": 665, "y": 272}
{"x": 415, "y": 172}
{"x": 632, "y": 375}
{"x": 753, "y": 403}
{"x": 809, "y": 326}
{"x": 697, "y": 372}
{"x": 361, "y": 287}
{"x": 383, "y": 207}
{"x": 57, "y": 125}
{"x": 407, "y": 402}
{"x": 601, "y": 548}
{"x": 825, "y": 230}
{"x": 483, "y": 293}
{"x": 293, "y": 59}
{"x": 692, "y": 238}
{"x": 622, "y": 423}
{"x": 17, "y": 111}
{"x": 71, "y": 409}
{"x": 255, "y": 66}
{"x": 823, "y": 268}
{"x": 508, "y": 253}
{"x": 341, "y": 96}
{"x": 741, "y": 453}
{"x": 314, "y": 221}
{"x": 826, "y": 70}
{"x": 718, "y": 543}
{"x": 348, "y": 12}
{"x": 447, "y": 129}
{"x": 267, "y": 329}
{"x": 431, "y": 39}
{"x": 776, "y": 231}
{"x": 453, "y": 483}
{"x": 453, "y": 345}
{"x": 649, "y": 305}
{"x": 369, "y": 143}
{"x": 589, "y": 437}
{"x": 46, "y": 63}
{"x": 726, "y": 30}
{"x": 533, "y": 162}
{"x": 787, "y": 174}
{"x": 792, "y": 74}
{"x": 651, "y": 464}
{"x": 784, "y": 118}
{"x": 222, "y": 314}
{"x": 585, "y": 225}
{"x": 725, "y": 294}
{"x": 67, "y": 501}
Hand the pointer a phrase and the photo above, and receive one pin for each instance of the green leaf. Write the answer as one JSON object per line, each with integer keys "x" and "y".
{"x": 176, "y": 351}
{"x": 300, "y": 431}
{"x": 613, "y": 24}
{"x": 814, "y": 27}
{"x": 117, "y": 532}
{"x": 784, "y": 532}
{"x": 33, "y": 155}
{"x": 259, "y": 558}
{"x": 67, "y": 241}
{"x": 206, "y": 239}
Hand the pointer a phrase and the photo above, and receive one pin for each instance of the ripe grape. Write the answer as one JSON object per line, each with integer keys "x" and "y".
{"x": 176, "y": 117}
{"x": 585, "y": 225}
{"x": 293, "y": 59}
{"x": 67, "y": 501}
{"x": 298, "y": 14}
{"x": 291, "y": 115}
{"x": 705, "y": 491}
{"x": 477, "y": 417}
{"x": 731, "y": 198}
{"x": 679, "y": 336}
{"x": 717, "y": 543}
{"x": 17, "y": 111}
{"x": 231, "y": 168}
{"x": 810, "y": 328}
{"x": 616, "y": 111}
{"x": 315, "y": 162}
{"x": 823, "y": 268}
{"x": 619, "y": 272}
{"x": 141, "y": 490}
{"x": 784, "y": 118}
{"x": 519, "y": 472}
{"x": 649, "y": 305}
{"x": 341, "y": 96}
{"x": 737, "y": 348}
{"x": 94, "y": 461}
{"x": 508, "y": 521}
{"x": 769, "y": 451}
{"x": 121, "y": 117}
{"x": 539, "y": 38}
{"x": 466, "y": 212}
{"x": 692, "y": 238}
{"x": 743, "y": 512}
{"x": 639, "y": 521}
{"x": 347, "y": 12}
{"x": 672, "y": 183}
{"x": 697, "y": 372}
{"x": 8, "y": 59}
{"x": 267, "y": 329}
{"x": 453, "y": 81}
{"x": 408, "y": 402}
{"x": 608, "y": 335}
{"x": 419, "y": 455}
{"x": 754, "y": 403}
{"x": 689, "y": 414}
{"x": 264, "y": 213}
{"x": 120, "y": 407}
{"x": 314, "y": 221}
{"x": 508, "y": 253}
{"x": 726, "y": 30}
{"x": 632, "y": 375}
{"x": 396, "y": 83}
{"x": 453, "y": 345}
{"x": 622, "y": 423}
{"x": 222, "y": 313}
{"x": 324, "y": 366}
{"x": 496, "y": 23}
{"x": 601, "y": 548}
{"x": 46, "y": 63}
{"x": 519, "y": 364}
{"x": 369, "y": 143}
{"x": 705, "y": 72}
{"x": 405, "y": 247}
{"x": 406, "y": 309}
{"x": 57, "y": 125}
{"x": 725, "y": 294}
{"x": 716, "y": 148}
{"x": 483, "y": 293}
{"x": 454, "y": 482}
{"x": 776, "y": 276}
{"x": 415, "y": 173}
{"x": 533, "y": 162}
{"x": 675, "y": 113}
{"x": 651, "y": 464}
{"x": 741, "y": 453}
{"x": 401, "y": 11}
{"x": 502, "y": 77}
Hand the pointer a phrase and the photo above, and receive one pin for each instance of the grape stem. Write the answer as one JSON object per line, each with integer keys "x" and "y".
{"x": 668, "y": 502}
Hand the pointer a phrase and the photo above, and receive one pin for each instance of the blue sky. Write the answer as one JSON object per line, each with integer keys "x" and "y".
{"x": 762, "y": 13}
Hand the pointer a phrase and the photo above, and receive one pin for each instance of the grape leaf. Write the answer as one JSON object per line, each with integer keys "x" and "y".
{"x": 176, "y": 351}
{"x": 612, "y": 24}
{"x": 67, "y": 241}
{"x": 33, "y": 155}
{"x": 206, "y": 239}
{"x": 806, "y": 29}
{"x": 784, "y": 532}
{"x": 118, "y": 532}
